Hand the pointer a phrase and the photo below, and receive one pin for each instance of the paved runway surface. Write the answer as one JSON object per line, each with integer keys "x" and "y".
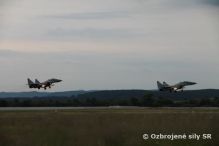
{"x": 108, "y": 107}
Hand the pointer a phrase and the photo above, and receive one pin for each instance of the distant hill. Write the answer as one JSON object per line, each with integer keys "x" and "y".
{"x": 41, "y": 94}
{"x": 106, "y": 94}
{"x": 149, "y": 98}
{"x": 205, "y": 93}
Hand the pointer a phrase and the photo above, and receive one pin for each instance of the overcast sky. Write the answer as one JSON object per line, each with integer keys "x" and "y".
{"x": 109, "y": 44}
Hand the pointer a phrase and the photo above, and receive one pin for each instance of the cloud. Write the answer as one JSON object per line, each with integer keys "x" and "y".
{"x": 212, "y": 2}
{"x": 192, "y": 3}
{"x": 88, "y": 15}
{"x": 94, "y": 33}
{"x": 169, "y": 5}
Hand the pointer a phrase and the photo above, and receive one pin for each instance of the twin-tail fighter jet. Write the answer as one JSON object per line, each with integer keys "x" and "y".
{"x": 45, "y": 84}
{"x": 174, "y": 88}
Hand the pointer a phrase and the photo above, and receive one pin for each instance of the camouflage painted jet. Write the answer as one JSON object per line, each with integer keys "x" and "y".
{"x": 45, "y": 84}
{"x": 174, "y": 88}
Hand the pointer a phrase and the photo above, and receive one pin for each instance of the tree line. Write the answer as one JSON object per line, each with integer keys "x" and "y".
{"x": 145, "y": 101}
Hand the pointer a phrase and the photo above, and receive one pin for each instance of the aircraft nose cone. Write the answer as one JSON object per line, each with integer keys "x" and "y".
{"x": 193, "y": 83}
{"x": 56, "y": 80}
{"x": 189, "y": 83}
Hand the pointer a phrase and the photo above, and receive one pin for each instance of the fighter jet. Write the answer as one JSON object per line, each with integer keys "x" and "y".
{"x": 174, "y": 88}
{"x": 45, "y": 84}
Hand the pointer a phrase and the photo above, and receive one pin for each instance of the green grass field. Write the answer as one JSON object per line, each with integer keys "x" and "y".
{"x": 106, "y": 127}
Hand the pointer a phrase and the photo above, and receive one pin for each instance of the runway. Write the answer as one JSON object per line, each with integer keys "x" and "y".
{"x": 99, "y": 108}
{"x": 65, "y": 108}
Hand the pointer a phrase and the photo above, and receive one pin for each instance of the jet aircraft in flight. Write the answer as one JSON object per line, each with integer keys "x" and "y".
{"x": 45, "y": 84}
{"x": 174, "y": 88}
